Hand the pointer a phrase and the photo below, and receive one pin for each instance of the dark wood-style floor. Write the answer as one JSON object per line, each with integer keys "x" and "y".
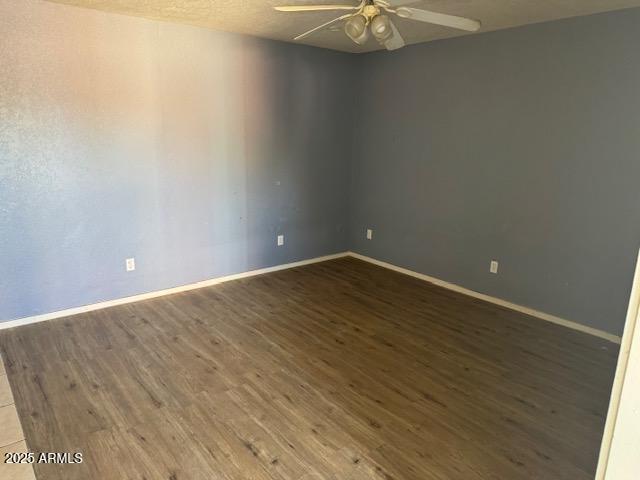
{"x": 339, "y": 370}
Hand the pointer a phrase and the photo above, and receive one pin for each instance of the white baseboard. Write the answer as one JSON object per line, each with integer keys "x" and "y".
{"x": 214, "y": 281}
{"x": 159, "y": 293}
{"x": 497, "y": 301}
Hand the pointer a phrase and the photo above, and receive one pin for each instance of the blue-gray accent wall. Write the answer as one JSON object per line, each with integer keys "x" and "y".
{"x": 521, "y": 145}
{"x": 191, "y": 150}
{"x": 188, "y": 149}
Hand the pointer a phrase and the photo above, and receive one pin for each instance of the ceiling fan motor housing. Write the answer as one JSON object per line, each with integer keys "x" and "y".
{"x": 371, "y": 11}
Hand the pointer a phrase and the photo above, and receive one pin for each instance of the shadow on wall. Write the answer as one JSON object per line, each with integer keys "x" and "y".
{"x": 186, "y": 149}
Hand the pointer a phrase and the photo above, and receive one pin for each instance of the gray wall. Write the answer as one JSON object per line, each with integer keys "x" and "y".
{"x": 191, "y": 150}
{"x": 522, "y": 146}
{"x": 187, "y": 149}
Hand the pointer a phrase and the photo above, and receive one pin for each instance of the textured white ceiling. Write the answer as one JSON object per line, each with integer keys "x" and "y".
{"x": 257, "y": 17}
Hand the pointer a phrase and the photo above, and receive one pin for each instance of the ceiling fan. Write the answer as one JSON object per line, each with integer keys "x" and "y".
{"x": 371, "y": 17}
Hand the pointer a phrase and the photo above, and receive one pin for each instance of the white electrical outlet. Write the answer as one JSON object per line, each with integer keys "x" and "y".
{"x": 369, "y": 234}
{"x": 493, "y": 268}
{"x": 130, "y": 264}
{"x": 280, "y": 240}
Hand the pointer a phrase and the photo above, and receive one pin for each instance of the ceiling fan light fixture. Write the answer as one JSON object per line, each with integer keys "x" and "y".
{"x": 356, "y": 29}
{"x": 381, "y": 28}
{"x": 371, "y": 17}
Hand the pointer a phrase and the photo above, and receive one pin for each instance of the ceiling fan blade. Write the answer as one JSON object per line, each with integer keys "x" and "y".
{"x": 314, "y": 8}
{"x": 393, "y": 3}
{"x": 452, "y": 21}
{"x": 320, "y": 27}
{"x": 395, "y": 41}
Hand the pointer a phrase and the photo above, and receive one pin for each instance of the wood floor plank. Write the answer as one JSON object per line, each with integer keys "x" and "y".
{"x": 337, "y": 370}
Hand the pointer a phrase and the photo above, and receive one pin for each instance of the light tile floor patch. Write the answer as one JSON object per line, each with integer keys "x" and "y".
{"x": 6, "y": 398}
{"x": 11, "y": 435}
{"x": 22, "y": 471}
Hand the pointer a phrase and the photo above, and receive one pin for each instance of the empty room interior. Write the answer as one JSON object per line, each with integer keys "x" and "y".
{"x": 319, "y": 239}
